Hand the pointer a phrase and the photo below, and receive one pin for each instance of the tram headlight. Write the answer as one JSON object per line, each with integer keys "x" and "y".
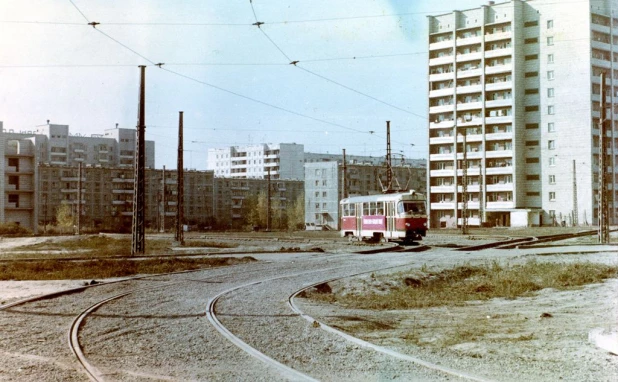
{"x": 425, "y": 224}
{"x": 407, "y": 224}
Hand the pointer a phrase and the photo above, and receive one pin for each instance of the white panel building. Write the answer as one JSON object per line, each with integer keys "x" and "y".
{"x": 518, "y": 84}
{"x": 285, "y": 161}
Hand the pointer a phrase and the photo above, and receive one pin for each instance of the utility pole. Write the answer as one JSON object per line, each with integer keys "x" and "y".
{"x": 163, "y": 201}
{"x": 345, "y": 177}
{"x": 389, "y": 169}
{"x": 137, "y": 228}
{"x": 180, "y": 189}
{"x": 603, "y": 199}
{"x": 45, "y": 214}
{"x": 268, "y": 203}
{"x": 575, "y": 211}
{"x": 464, "y": 188}
{"x": 79, "y": 199}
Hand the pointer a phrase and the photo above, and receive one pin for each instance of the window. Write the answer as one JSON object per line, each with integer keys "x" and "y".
{"x": 550, "y": 58}
{"x": 551, "y": 145}
{"x": 550, "y": 24}
{"x": 531, "y": 23}
{"x": 532, "y": 177}
{"x": 550, "y": 75}
{"x": 533, "y": 193}
{"x": 532, "y": 143}
{"x": 531, "y": 74}
{"x": 551, "y": 127}
{"x": 550, "y": 40}
{"x": 14, "y": 198}
{"x": 532, "y": 40}
{"x": 532, "y": 108}
{"x": 531, "y": 126}
{"x": 550, "y": 92}
{"x": 532, "y": 160}
{"x": 324, "y": 194}
{"x": 551, "y": 109}
{"x": 531, "y": 57}
{"x": 532, "y": 91}
{"x": 552, "y": 179}
{"x": 552, "y": 196}
{"x": 552, "y": 161}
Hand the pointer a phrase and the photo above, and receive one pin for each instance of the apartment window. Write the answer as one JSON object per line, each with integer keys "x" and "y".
{"x": 532, "y": 160}
{"x": 532, "y": 91}
{"x": 551, "y": 109}
{"x": 550, "y": 92}
{"x": 531, "y": 23}
{"x": 552, "y": 179}
{"x": 531, "y": 57}
{"x": 552, "y": 161}
{"x": 14, "y": 198}
{"x": 552, "y": 196}
{"x": 533, "y": 193}
{"x": 532, "y": 108}
{"x": 550, "y": 75}
{"x": 531, "y": 74}
{"x": 551, "y": 144}
{"x": 550, "y": 24}
{"x": 532, "y": 143}
{"x": 532, "y": 40}
{"x": 550, "y": 58}
{"x": 551, "y": 127}
{"x": 532, "y": 177}
{"x": 324, "y": 194}
{"x": 550, "y": 40}
{"x": 531, "y": 126}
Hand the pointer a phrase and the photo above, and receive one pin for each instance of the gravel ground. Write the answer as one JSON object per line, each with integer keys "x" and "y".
{"x": 161, "y": 331}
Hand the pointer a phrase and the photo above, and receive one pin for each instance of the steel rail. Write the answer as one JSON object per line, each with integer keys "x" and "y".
{"x": 366, "y": 344}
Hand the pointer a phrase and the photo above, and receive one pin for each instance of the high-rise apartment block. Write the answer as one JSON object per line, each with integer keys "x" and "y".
{"x": 514, "y": 111}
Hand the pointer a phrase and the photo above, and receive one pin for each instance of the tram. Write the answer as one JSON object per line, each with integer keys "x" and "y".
{"x": 398, "y": 216}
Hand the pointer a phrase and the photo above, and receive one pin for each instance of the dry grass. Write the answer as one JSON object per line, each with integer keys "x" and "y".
{"x": 465, "y": 283}
{"x": 106, "y": 268}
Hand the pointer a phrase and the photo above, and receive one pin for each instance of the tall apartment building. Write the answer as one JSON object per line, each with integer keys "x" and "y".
{"x": 398, "y": 159}
{"x": 324, "y": 186}
{"x": 514, "y": 91}
{"x": 285, "y": 161}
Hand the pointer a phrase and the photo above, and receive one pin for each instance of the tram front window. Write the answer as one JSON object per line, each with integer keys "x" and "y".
{"x": 415, "y": 208}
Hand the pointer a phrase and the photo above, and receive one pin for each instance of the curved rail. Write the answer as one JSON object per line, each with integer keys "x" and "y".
{"x": 383, "y": 350}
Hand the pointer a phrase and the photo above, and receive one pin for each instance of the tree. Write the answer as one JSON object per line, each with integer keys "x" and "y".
{"x": 64, "y": 216}
{"x": 296, "y": 213}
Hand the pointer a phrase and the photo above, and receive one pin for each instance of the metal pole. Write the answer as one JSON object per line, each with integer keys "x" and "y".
{"x": 180, "y": 186}
{"x": 575, "y": 210}
{"x": 79, "y": 199}
{"x": 389, "y": 170}
{"x": 268, "y": 203}
{"x": 163, "y": 201}
{"x": 345, "y": 177}
{"x": 138, "y": 233}
{"x": 45, "y": 215}
{"x": 603, "y": 205}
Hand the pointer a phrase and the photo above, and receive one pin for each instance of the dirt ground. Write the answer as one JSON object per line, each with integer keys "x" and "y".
{"x": 543, "y": 332}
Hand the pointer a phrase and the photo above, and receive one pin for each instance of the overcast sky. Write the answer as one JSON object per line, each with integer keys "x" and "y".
{"x": 360, "y": 63}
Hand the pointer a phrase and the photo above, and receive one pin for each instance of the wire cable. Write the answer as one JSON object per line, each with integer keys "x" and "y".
{"x": 125, "y": 46}
{"x": 80, "y": 12}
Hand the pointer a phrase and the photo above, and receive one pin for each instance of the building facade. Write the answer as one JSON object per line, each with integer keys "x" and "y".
{"x": 324, "y": 187}
{"x": 283, "y": 160}
{"x": 514, "y": 91}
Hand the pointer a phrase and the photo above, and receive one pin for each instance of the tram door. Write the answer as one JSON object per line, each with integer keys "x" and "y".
{"x": 390, "y": 219}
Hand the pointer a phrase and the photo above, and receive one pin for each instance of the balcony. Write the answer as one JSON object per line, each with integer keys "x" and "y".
{"x": 80, "y": 151}
{"x": 123, "y": 191}
{"x": 601, "y": 63}
{"x": 466, "y": 73}
{"x": 499, "y": 170}
{"x": 473, "y": 105}
{"x": 504, "y": 85}
{"x": 443, "y": 206}
{"x": 498, "y": 36}
{"x": 443, "y": 156}
{"x": 498, "y": 136}
{"x": 441, "y": 45}
{"x": 443, "y": 92}
{"x": 506, "y": 68}
{"x": 441, "y": 76}
{"x": 499, "y": 154}
{"x": 469, "y": 56}
{"x": 499, "y": 52}
{"x": 441, "y": 60}
{"x": 600, "y": 45}
{"x": 500, "y": 187}
{"x": 442, "y": 189}
{"x": 441, "y": 109}
{"x": 499, "y": 205}
{"x": 122, "y": 180}
{"x": 461, "y": 41}
{"x": 476, "y": 88}
{"x": 442, "y": 124}
{"x": 445, "y": 172}
{"x": 440, "y": 140}
{"x": 499, "y": 119}
{"x": 499, "y": 102}
{"x": 119, "y": 202}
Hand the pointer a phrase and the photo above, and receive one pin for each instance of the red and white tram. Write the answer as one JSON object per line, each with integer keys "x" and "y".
{"x": 397, "y": 216}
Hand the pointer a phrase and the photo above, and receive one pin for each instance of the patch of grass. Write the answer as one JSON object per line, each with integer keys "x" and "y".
{"x": 13, "y": 230}
{"x": 465, "y": 283}
{"x": 106, "y": 268}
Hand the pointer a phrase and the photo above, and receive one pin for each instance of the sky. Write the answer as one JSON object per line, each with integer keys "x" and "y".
{"x": 359, "y": 64}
